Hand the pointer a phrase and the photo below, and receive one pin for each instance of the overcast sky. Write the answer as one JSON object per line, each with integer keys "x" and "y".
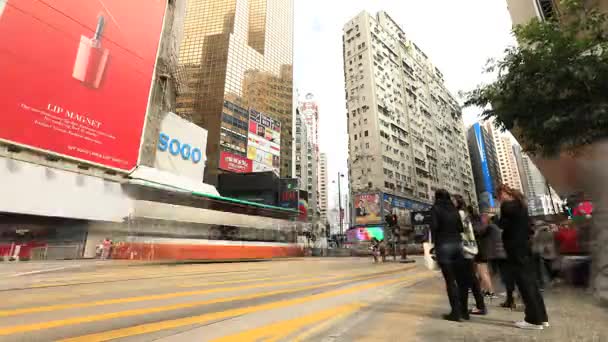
{"x": 458, "y": 36}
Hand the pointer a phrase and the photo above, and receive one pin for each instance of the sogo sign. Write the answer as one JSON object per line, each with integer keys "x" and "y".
{"x": 181, "y": 147}
{"x": 176, "y": 148}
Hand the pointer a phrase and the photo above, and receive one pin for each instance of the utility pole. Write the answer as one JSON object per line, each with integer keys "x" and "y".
{"x": 340, "y": 213}
{"x": 340, "y": 206}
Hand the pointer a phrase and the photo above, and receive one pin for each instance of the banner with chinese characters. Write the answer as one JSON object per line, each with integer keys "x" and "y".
{"x": 235, "y": 163}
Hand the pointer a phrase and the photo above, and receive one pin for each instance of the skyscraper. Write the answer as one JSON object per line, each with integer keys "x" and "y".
{"x": 301, "y": 150}
{"x": 484, "y": 162}
{"x": 509, "y": 172}
{"x": 236, "y": 58}
{"x": 323, "y": 187}
{"x": 406, "y": 136}
{"x": 542, "y": 199}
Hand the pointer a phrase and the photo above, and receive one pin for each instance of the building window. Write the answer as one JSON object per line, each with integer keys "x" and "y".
{"x": 546, "y": 9}
{"x": 366, "y": 133}
{"x": 366, "y": 145}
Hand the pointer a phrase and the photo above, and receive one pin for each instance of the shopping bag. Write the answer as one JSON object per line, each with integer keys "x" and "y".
{"x": 469, "y": 244}
{"x": 429, "y": 255}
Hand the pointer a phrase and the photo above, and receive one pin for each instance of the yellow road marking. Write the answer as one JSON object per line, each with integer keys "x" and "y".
{"x": 244, "y": 280}
{"x": 176, "y": 323}
{"x": 136, "y": 312}
{"x": 282, "y": 329}
{"x": 100, "y": 278}
{"x": 6, "y": 313}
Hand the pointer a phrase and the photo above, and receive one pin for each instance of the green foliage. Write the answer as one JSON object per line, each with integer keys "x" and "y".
{"x": 552, "y": 90}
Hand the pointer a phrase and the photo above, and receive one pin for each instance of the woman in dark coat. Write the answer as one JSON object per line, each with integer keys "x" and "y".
{"x": 446, "y": 228}
{"x": 515, "y": 222}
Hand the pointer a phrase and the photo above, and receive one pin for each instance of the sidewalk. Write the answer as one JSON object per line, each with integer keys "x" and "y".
{"x": 572, "y": 313}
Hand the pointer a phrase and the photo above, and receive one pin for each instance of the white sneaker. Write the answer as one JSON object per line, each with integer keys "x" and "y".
{"x": 546, "y": 324}
{"x": 529, "y": 326}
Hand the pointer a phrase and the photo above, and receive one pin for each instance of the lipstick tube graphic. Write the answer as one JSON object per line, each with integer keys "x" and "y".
{"x": 91, "y": 58}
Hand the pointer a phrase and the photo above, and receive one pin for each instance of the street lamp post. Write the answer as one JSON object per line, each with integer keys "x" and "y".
{"x": 341, "y": 218}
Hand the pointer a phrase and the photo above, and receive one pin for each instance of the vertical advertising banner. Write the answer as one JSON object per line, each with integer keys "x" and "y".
{"x": 77, "y": 76}
{"x": 264, "y": 141}
{"x": 487, "y": 179}
{"x": 367, "y": 209}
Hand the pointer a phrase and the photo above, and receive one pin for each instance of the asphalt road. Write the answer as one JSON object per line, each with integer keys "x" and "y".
{"x": 313, "y": 299}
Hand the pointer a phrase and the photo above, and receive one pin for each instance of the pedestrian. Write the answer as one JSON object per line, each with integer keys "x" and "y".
{"x": 382, "y": 248}
{"x": 446, "y": 228}
{"x": 515, "y": 222}
{"x": 470, "y": 218}
{"x": 498, "y": 259}
{"x": 375, "y": 248}
{"x": 545, "y": 249}
{"x": 106, "y": 245}
{"x": 482, "y": 257}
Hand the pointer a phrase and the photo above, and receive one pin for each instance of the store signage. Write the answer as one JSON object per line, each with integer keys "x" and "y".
{"x": 181, "y": 147}
{"x": 80, "y": 82}
{"x": 176, "y": 148}
{"x": 487, "y": 179}
{"x": 235, "y": 163}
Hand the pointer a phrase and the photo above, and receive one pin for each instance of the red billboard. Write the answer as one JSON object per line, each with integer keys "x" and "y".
{"x": 235, "y": 163}
{"x": 77, "y": 76}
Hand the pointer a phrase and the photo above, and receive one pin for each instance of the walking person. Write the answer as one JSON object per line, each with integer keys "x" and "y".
{"x": 469, "y": 217}
{"x": 483, "y": 256}
{"x": 515, "y": 223}
{"x": 106, "y": 245}
{"x": 446, "y": 228}
{"x": 548, "y": 251}
{"x": 498, "y": 259}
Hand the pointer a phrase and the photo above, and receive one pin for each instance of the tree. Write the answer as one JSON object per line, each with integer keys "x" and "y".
{"x": 551, "y": 91}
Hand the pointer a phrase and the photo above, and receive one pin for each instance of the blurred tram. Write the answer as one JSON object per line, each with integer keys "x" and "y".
{"x": 180, "y": 225}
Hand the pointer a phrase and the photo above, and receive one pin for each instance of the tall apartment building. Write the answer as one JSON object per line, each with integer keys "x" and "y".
{"x": 310, "y": 111}
{"x": 236, "y": 56}
{"x": 406, "y": 135}
{"x": 542, "y": 199}
{"x": 323, "y": 187}
{"x": 306, "y": 167}
{"x": 509, "y": 172}
{"x": 522, "y": 11}
{"x": 301, "y": 151}
{"x": 485, "y": 165}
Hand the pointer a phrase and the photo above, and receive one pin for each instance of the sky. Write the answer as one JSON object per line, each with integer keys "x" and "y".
{"x": 458, "y": 36}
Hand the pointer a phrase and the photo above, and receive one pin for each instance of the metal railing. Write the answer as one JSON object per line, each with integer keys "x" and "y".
{"x": 57, "y": 252}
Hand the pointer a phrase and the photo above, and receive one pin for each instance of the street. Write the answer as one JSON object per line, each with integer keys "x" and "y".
{"x": 298, "y": 299}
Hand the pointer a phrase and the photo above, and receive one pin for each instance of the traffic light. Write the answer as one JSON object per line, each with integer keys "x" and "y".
{"x": 389, "y": 220}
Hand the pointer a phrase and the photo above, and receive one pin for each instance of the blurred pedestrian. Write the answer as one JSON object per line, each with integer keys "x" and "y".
{"x": 482, "y": 258}
{"x": 470, "y": 218}
{"x": 498, "y": 260}
{"x": 515, "y": 222}
{"x": 545, "y": 249}
{"x": 446, "y": 228}
{"x": 106, "y": 245}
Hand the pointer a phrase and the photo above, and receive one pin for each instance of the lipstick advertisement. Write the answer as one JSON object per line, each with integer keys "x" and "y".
{"x": 77, "y": 76}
